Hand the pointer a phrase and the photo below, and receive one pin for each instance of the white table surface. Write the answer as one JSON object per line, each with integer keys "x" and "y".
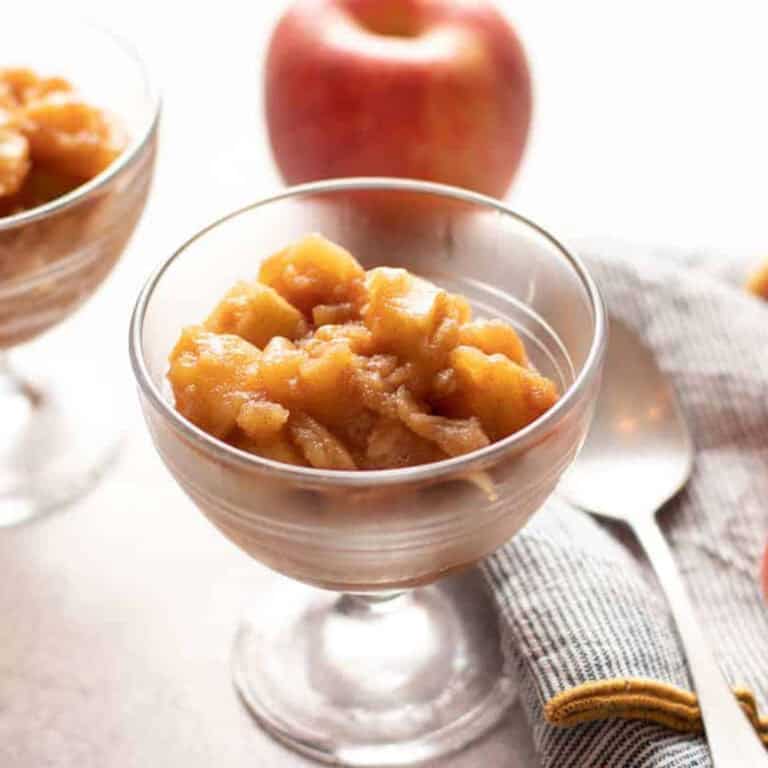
{"x": 117, "y": 615}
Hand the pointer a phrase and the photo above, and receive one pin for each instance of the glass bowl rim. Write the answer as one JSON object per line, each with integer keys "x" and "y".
{"x": 125, "y": 160}
{"x": 369, "y": 478}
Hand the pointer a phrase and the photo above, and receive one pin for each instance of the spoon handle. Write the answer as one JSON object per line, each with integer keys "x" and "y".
{"x": 733, "y": 741}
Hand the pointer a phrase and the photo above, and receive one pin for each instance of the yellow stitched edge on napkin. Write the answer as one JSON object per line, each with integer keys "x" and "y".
{"x": 640, "y": 699}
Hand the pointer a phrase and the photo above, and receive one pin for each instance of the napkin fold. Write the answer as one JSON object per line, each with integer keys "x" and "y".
{"x": 603, "y": 677}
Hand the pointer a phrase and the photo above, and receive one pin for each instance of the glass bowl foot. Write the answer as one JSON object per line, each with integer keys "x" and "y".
{"x": 58, "y": 439}
{"x": 384, "y": 680}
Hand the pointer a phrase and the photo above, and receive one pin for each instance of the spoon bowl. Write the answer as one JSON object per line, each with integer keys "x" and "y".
{"x": 638, "y": 430}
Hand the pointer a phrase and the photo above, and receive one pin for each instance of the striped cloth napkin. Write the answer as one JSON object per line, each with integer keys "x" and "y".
{"x": 602, "y": 674}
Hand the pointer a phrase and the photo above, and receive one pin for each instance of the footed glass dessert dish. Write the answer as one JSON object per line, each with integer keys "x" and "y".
{"x": 382, "y": 646}
{"x": 61, "y": 233}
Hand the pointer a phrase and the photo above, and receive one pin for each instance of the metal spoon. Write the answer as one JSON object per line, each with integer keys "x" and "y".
{"x": 638, "y": 456}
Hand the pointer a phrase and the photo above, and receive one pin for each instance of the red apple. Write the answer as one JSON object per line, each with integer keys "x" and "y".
{"x": 427, "y": 89}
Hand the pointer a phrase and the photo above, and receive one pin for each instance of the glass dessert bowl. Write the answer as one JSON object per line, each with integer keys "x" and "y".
{"x": 404, "y": 665}
{"x": 60, "y": 235}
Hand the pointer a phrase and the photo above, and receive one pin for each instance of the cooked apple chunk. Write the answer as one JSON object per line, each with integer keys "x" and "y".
{"x": 492, "y": 337}
{"x": 314, "y": 271}
{"x": 51, "y": 140}
{"x": 452, "y": 436}
{"x": 69, "y": 136}
{"x": 505, "y": 396}
{"x": 391, "y": 444}
{"x": 261, "y": 419}
{"x": 412, "y": 317}
{"x": 257, "y": 313}
{"x": 14, "y": 160}
{"x": 213, "y": 375}
{"x": 321, "y": 449}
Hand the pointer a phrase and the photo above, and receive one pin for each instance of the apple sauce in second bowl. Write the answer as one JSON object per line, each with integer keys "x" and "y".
{"x": 77, "y": 148}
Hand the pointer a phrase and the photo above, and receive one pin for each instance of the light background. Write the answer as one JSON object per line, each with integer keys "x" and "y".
{"x": 651, "y": 118}
{"x": 650, "y": 125}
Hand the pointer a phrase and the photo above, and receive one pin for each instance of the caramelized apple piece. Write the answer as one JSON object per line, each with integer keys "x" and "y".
{"x": 320, "y": 448}
{"x": 356, "y": 335}
{"x": 334, "y": 314}
{"x": 213, "y": 376}
{"x": 39, "y": 187}
{"x": 355, "y": 431}
{"x": 443, "y": 384}
{"x": 373, "y": 389}
{"x": 415, "y": 320}
{"x": 324, "y": 383}
{"x": 277, "y": 447}
{"x": 407, "y": 314}
{"x": 261, "y": 418}
{"x": 257, "y": 313}
{"x": 8, "y": 101}
{"x": 505, "y": 396}
{"x": 391, "y": 445}
{"x": 453, "y": 436}
{"x": 14, "y": 161}
{"x": 69, "y": 136}
{"x": 46, "y": 86}
{"x": 25, "y": 85}
{"x": 51, "y": 141}
{"x": 314, "y": 271}
{"x": 278, "y": 373}
{"x": 494, "y": 336}
{"x": 16, "y": 81}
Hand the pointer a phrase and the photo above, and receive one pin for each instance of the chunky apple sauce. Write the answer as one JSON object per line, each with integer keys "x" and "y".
{"x": 320, "y": 363}
{"x": 51, "y": 140}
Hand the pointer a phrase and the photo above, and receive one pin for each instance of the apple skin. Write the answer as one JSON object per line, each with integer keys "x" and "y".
{"x": 425, "y": 89}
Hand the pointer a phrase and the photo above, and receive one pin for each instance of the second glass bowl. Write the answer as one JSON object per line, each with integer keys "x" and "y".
{"x": 59, "y": 417}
